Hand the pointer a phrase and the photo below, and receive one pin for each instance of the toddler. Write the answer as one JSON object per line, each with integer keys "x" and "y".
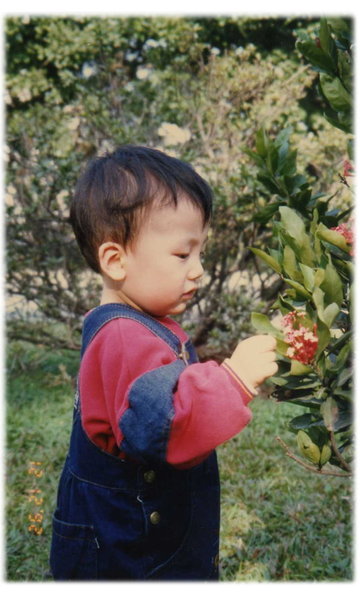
{"x": 138, "y": 497}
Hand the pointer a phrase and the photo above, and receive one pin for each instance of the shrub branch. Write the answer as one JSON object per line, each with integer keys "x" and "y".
{"x": 309, "y": 467}
{"x": 338, "y": 453}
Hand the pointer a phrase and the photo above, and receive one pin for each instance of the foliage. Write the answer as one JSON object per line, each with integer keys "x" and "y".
{"x": 314, "y": 261}
{"x": 277, "y": 525}
{"x": 198, "y": 88}
{"x": 331, "y": 55}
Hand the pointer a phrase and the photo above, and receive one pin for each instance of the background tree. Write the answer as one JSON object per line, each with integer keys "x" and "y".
{"x": 199, "y": 88}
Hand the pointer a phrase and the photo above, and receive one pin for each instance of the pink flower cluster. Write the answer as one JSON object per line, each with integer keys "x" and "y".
{"x": 346, "y": 230}
{"x": 303, "y": 342}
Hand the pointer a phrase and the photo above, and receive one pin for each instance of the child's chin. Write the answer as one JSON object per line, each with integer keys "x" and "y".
{"x": 177, "y": 310}
{"x": 160, "y": 312}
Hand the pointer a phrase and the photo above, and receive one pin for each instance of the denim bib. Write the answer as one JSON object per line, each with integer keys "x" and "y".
{"x": 140, "y": 518}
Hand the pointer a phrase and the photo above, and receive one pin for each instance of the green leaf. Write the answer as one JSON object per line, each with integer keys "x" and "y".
{"x": 344, "y": 377}
{"x": 305, "y": 421}
{"x": 345, "y": 71}
{"x": 342, "y": 358}
{"x": 281, "y": 381}
{"x": 298, "y": 288}
{"x": 326, "y": 41}
{"x": 330, "y": 313}
{"x": 345, "y": 123}
{"x": 266, "y": 213}
{"x": 287, "y": 166}
{"x": 344, "y": 420}
{"x": 316, "y": 56}
{"x": 339, "y": 342}
{"x": 262, "y": 324}
{"x": 333, "y": 237}
{"x": 281, "y": 347}
{"x": 332, "y": 286}
{"x": 319, "y": 276}
{"x": 298, "y": 368}
{"x": 344, "y": 394}
{"x": 341, "y": 29}
{"x": 294, "y": 226}
{"x": 283, "y": 136}
{"x": 305, "y": 386}
{"x": 272, "y": 160}
{"x": 269, "y": 183}
{"x": 256, "y": 157}
{"x": 334, "y": 91}
{"x": 290, "y": 264}
{"x": 261, "y": 142}
{"x": 267, "y": 258}
{"x": 308, "y": 277}
{"x": 323, "y": 334}
{"x": 310, "y": 402}
{"x": 329, "y": 410}
{"x": 284, "y": 305}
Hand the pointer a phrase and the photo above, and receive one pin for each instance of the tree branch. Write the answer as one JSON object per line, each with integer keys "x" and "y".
{"x": 338, "y": 453}
{"x": 306, "y": 466}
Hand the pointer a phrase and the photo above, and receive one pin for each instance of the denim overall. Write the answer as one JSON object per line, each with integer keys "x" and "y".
{"x": 139, "y": 518}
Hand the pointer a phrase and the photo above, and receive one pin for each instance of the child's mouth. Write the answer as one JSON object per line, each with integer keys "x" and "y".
{"x": 188, "y": 295}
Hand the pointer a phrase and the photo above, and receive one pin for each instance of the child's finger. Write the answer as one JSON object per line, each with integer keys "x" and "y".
{"x": 272, "y": 369}
{"x": 260, "y": 342}
{"x": 271, "y": 356}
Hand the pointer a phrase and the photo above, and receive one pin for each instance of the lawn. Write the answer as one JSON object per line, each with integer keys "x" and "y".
{"x": 279, "y": 522}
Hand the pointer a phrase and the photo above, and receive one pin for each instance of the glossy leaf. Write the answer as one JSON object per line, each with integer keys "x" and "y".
{"x": 333, "y": 237}
{"x": 269, "y": 260}
{"x": 294, "y": 226}
{"x": 330, "y": 313}
{"x": 334, "y": 91}
{"x": 290, "y": 265}
{"x": 329, "y": 410}
{"x": 305, "y": 421}
{"x": 317, "y": 56}
{"x": 332, "y": 286}
{"x": 298, "y": 368}
{"x": 344, "y": 377}
{"x": 298, "y": 288}
{"x": 324, "y": 336}
{"x": 261, "y": 142}
{"x": 308, "y": 277}
{"x": 326, "y": 41}
{"x": 262, "y": 324}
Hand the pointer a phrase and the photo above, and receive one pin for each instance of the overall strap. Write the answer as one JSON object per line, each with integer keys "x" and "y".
{"x": 104, "y": 313}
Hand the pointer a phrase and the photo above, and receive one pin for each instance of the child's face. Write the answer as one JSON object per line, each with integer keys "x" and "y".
{"x": 163, "y": 267}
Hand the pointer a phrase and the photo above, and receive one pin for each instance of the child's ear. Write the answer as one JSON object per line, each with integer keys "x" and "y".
{"x": 112, "y": 260}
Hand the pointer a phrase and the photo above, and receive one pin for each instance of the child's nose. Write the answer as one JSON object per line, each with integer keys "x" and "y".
{"x": 196, "y": 270}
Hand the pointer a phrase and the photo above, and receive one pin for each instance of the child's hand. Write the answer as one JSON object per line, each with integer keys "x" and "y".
{"x": 254, "y": 359}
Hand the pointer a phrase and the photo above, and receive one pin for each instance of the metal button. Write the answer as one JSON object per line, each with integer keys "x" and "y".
{"x": 184, "y": 355}
{"x": 155, "y": 518}
{"x": 149, "y": 476}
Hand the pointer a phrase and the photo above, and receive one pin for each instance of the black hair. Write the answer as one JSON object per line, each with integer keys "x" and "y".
{"x": 115, "y": 191}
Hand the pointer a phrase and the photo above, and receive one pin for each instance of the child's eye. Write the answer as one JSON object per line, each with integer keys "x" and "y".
{"x": 182, "y": 255}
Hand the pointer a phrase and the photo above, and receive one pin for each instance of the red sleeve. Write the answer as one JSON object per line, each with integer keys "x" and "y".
{"x": 210, "y": 408}
{"x": 121, "y": 351}
{"x": 210, "y": 403}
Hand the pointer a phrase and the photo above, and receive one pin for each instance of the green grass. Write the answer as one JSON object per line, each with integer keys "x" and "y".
{"x": 279, "y": 522}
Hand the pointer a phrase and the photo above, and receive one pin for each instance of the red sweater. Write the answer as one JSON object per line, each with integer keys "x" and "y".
{"x": 210, "y": 401}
